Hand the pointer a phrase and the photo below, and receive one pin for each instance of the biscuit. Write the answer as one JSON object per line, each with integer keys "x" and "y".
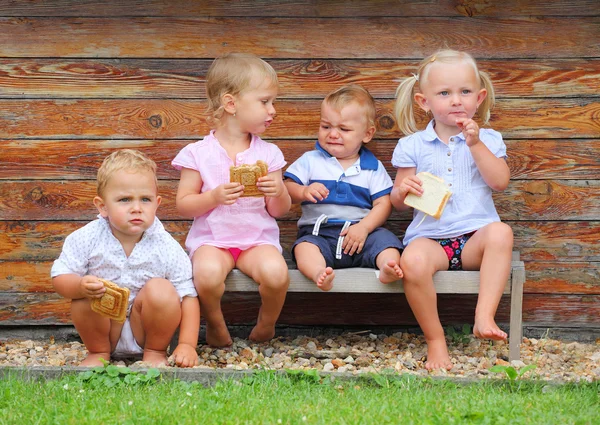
{"x": 248, "y": 175}
{"x": 113, "y": 303}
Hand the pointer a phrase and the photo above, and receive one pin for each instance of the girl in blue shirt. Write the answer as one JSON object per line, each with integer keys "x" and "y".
{"x": 469, "y": 235}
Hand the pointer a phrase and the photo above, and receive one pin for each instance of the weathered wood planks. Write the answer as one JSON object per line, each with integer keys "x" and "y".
{"x": 538, "y": 159}
{"x": 386, "y": 37}
{"x": 302, "y": 8}
{"x": 305, "y": 78}
{"x": 167, "y": 119}
{"x": 79, "y": 79}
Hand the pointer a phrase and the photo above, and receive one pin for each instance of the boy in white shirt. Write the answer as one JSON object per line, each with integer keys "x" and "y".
{"x": 129, "y": 246}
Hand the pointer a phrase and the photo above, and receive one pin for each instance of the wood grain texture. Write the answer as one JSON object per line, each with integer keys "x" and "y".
{"x": 298, "y": 79}
{"x": 138, "y": 37}
{"x": 72, "y": 200}
{"x": 297, "y": 119}
{"x": 302, "y": 8}
{"x": 544, "y": 159}
{"x": 334, "y": 309}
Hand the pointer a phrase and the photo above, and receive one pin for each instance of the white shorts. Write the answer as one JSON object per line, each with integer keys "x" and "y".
{"x": 127, "y": 345}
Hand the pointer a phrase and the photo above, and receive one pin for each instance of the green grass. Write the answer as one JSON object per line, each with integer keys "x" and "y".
{"x": 301, "y": 398}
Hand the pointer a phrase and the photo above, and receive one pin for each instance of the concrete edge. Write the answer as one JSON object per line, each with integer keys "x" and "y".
{"x": 210, "y": 377}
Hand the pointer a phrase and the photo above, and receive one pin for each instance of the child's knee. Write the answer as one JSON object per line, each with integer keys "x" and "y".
{"x": 274, "y": 275}
{"x": 160, "y": 293}
{"x": 500, "y": 235}
{"x": 414, "y": 264}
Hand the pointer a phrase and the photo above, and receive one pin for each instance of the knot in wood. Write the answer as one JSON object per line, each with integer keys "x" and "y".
{"x": 155, "y": 121}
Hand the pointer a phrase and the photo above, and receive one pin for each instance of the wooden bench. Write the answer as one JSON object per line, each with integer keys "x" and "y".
{"x": 361, "y": 280}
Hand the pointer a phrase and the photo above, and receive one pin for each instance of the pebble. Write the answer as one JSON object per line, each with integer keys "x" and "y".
{"x": 353, "y": 353}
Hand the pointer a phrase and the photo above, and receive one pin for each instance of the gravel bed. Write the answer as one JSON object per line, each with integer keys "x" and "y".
{"x": 354, "y": 353}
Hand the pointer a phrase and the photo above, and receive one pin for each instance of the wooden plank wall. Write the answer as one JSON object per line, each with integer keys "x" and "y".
{"x": 81, "y": 78}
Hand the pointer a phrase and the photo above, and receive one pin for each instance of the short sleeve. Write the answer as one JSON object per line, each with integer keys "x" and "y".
{"x": 493, "y": 140}
{"x": 381, "y": 183}
{"x": 179, "y": 268}
{"x": 276, "y": 160}
{"x": 185, "y": 158}
{"x": 404, "y": 155}
{"x": 74, "y": 256}
{"x": 299, "y": 171}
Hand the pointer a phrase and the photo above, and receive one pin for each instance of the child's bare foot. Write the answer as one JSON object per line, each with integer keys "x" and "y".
{"x": 262, "y": 333}
{"x": 437, "y": 355}
{"x": 218, "y": 335}
{"x": 154, "y": 357}
{"x": 93, "y": 359}
{"x": 390, "y": 272}
{"x": 488, "y": 329}
{"x": 324, "y": 279}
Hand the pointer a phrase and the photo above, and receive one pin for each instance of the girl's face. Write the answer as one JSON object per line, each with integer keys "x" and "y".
{"x": 254, "y": 108}
{"x": 450, "y": 91}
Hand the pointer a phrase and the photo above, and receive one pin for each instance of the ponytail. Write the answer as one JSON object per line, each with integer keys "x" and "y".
{"x": 489, "y": 101}
{"x": 403, "y": 108}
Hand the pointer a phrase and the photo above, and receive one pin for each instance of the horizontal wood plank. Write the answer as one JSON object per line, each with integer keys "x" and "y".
{"x": 366, "y": 281}
{"x": 538, "y": 241}
{"x": 133, "y": 37}
{"x": 542, "y": 277}
{"x": 301, "y": 8}
{"x": 185, "y": 78}
{"x": 297, "y": 119}
{"x": 72, "y": 200}
{"x": 80, "y": 159}
{"x": 334, "y": 309}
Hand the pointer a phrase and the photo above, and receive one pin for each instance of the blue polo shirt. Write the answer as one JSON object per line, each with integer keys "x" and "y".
{"x": 471, "y": 205}
{"x": 351, "y": 191}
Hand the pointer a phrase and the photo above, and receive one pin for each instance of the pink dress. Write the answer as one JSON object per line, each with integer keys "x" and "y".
{"x": 244, "y": 224}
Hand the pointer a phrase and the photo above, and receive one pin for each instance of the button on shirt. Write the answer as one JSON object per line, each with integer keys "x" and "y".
{"x": 471, "y": 205}
{"x": 244, "y": 224}
{"x": 93, "y": 250}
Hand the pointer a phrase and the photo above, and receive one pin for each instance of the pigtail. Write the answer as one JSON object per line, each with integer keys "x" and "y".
{"x": 488, "y": 103}
{"x": 404, "y": 109}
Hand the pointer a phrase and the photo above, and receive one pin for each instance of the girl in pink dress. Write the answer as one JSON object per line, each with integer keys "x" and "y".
{"x": 230, "y": 230}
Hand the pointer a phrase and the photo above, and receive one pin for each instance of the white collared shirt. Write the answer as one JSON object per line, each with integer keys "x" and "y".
{"x": 471, "y": 205}
{"x": 94, "y": 250}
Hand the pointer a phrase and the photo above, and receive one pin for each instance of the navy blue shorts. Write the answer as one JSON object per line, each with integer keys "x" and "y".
{"x": 377, "y": 241}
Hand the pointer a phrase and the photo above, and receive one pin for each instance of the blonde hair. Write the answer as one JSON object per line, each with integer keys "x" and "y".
{"x": 345, "y": 95}
{"x": 124, "y": 159}
{"x": 232, "y": 74}
{"x": 404, "y": 109}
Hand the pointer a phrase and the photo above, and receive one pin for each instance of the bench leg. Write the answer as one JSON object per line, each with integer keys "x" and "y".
{"x": 516, "y": 313}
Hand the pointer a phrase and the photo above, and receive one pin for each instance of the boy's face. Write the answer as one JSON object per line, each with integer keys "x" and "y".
{"x": 342, "y": 133}
{"x": 129, "y": 202}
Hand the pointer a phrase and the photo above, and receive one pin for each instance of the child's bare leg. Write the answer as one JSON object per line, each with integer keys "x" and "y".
{"x": 388, "y": 263}
{"x": 489, "y": 250}
{"x": 311, "y": 264}
{"x": 211, "y": 266}
{"x": 155, "y": 315}
{"x": 94, "y": 331}
{"x": 420, "y": 260}
{"x": 267, "y": 267}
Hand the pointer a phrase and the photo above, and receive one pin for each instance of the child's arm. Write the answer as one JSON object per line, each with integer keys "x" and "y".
{"x": 494, "y": 170}
{"x": 277, "y": 197}
{"x": 73, "y": 286}
{"x": 191, "y": 203}
{"x": 185, "y": 354}
{"x": 312, "y": 193}
{"x": 357, "y": 234}
{"x": 405, "y": 182}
